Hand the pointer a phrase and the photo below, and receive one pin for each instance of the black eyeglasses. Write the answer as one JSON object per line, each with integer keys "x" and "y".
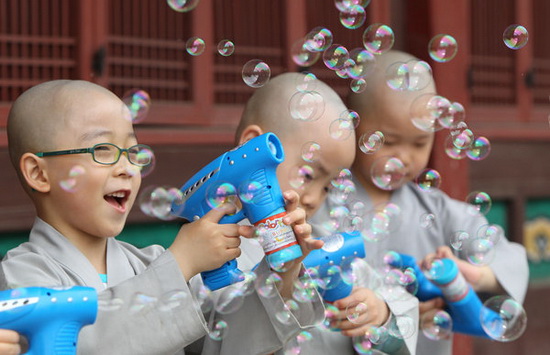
{"x": 109, "y": 154}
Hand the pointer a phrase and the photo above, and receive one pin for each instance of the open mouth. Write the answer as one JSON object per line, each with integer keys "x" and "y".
{"x": 118, "y": 199}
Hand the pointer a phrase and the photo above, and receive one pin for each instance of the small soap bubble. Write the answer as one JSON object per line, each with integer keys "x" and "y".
{"x": 492, "y": 232}
{"x": 300, "y": 175}
{"x": 515, "y": 36}
{"x": 427, "y": 110}
{"x": 229, "y": 300}
{"x": 256, "y": 73}
{"x": 218, "y": 330}
{"x": 393, "y": 259}
{"x": 455, "y": 117}
{"x": 434, "y": 269}
{"x": 285, "y": 316}
{"x": 358, "y": 85}
{"x": 204, "y": 299}
{"x": 75, "y": 175}
{"x": 427, "y": 220}
{"x": 138, "y": 102}
{"x": 304, "y": 289}
{"x": 458, "y": 238}
{"x": 479, "y": 251}
{"x": 451, "y": 150}
{"x": 157, "y": 201}
{"x": 381, "y": 221}
{"x": 420, "y": 75}
{"x": 250, "y": 191}
{"x": 480, "y": 202}
{"x": 342, "y": 5}
{"x": 371, "y": 142}
{"x": 403, "y": 327}
{"x": 398, "y": 76}
{"x": 428, "y": 180}
{"x": 410, "y": 281}
{"x": 247, "y": 285}
{"x": 503, "y": 318}
{"x": 182, "y": 5}
{"x": 311, "y": 152}
{"x": 442, "y": 48}
{"x": 341, "y": 129}
{"x": 195, "y": 46}
{"x": 142, "y": 303}
{"x": 353, "y": 17}
{"x": 388, "y": 173}
{"x": 302, "y": 56}
{"x": 376, "y": 335}
{"x": 220, "y": 193}
{"x": 318, "y": 39}
{"x": 335, "y": 56}
{"x": 378, "y": 38}
{"x": 363, "y": 345}
{"x": 360, "y": 64}
{"x": 306, "y": 106}
{"x": 343, "y": 71}
{"x": 479, "y": 149}
{"x": 351, "y": 116}
{"x": 357, "y": 314}
{"x": 306, "y": 82}
{"x": 269, "y": 287}
{"x": 145, "y": 154}
{"x": 172, "y": 299}
{"x": 330, "y": 276}
{"x": 109, "y": 304}
{"x": 437, "y": 325}
{"x": 463, "y": 138}
{"x": 226, "y": 47}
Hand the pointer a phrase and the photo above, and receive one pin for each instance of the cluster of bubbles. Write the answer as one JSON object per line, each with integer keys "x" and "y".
{"x": 413, "y": 75}
{"x": 138, "y": 102}
{"x": 161, "y": 202}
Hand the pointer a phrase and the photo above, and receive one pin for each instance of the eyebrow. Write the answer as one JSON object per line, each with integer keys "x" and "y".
{"x": 88, "y": 136}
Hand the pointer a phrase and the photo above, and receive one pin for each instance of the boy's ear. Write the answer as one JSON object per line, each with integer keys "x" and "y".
{"x": 34, "y": 172}
{"x": 249, "y": 132}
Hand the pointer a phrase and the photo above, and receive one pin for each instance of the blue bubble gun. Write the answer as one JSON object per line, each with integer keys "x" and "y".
{"x": 249, "y": 170}
{"x": 338, "y": 250}
{"x": 49, "y": 318}
{"x": 463, "y": 304}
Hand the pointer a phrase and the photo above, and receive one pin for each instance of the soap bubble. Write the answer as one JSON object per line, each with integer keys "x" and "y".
{"x": 402, "y": 327}
{"x": 204, "y": 299}
{"x": 393, "y": 259}
{"x": 302, "y": 56}
{"x": 463, "y": 138}
{"x": 341, "y": 129}
{"x": 428, "y": 180}
{"x": 420, "y": 75}
{"x": 479, "y": 149}
{"x": 492, "y": 232}
{"x": 351, "y": 116}
{"x": 285, "y": 316}
{"x": 306, "y": 106}
{"x": 335, "y": 56}
{"x": 451, "y": 150}
{"x": 138, "y": 102}
{"x": 318, "y": 39}
{"x": 358, "y": 85}
{"x": 330, "y": 276}
{"x": 381, "y": 220}
{"x": 503, "y": 318}
{"x": 107, "y": 303}
{"x": 357, "y": 314}
{"x": 172, "y": 299}
{"x": 363, "y": 345}
{"x": 300, "y": 175}
{"x": 442, "y": 48}
{"x": 226, "y": 47}
{"x": 142, "y": 303}
{"x": 397, "y": 76}
{"x": 479, "y": 251}
{"x": 304, "y": 289}
{"x": 427, "y": 220}
{"x": 343, "y": 5}
{"x": 427, "y": 110}
{"x": 480, "y": 202}
{"x": 145, "y": 154}
{"x": 378, "y": 38}
{"x": 256, "y": 73}
{"x": 311, "y": 152}
{"x": 361, "y": 63}
{"x": 70, "y": 184}
{"x": 182, "y": 5}
{"x": 458, "y": 238}
{"x": 195, "y": 46}
{"x": 515, "y": 36}
{"x": 456, "y": 116}
{"x": 269, "y": 286}
{"x": 371, "y": 142}
{"x": 437, "y": 325}
{"x": 434, "y": 269}
{"x": 220, "y": 193}
{"x": 410, "y": 281}
{"x": 230, "y": 299}
{"x": 218, "y": 330}
{"x": 353, "y": 17}
{"x": 388, "y": 173}
{"x": 306, "y": 82}
{"x": 157, "y": 201}
{"x": 250, "y": 191}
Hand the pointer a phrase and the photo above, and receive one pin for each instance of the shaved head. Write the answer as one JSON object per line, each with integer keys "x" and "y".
{"x": 40, "y": 114}
{"x": 269, "y": 106}
{"x": 378, "y": 93}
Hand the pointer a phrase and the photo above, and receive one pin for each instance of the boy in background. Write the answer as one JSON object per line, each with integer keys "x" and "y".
{"x": 389, "y": 111}
{"x": 61, "y": 125}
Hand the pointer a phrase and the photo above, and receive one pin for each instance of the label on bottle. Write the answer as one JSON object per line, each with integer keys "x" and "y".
{"x": 274, "y": 234}
{"x": 455, "y": 290}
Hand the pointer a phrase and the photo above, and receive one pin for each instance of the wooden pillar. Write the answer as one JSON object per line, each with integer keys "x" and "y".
{"x": 295, "y": 27}
{"x": 524, "y": 17}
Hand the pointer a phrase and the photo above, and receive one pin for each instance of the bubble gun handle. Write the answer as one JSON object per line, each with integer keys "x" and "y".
{"x": 338, "y": 249}
{"x": 463, "y": 304}
{"x": 251, "y": 170}
{"x": 50, "y": 318}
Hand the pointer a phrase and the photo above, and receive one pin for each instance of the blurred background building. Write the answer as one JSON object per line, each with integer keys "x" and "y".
{"x": 197, "y": 100}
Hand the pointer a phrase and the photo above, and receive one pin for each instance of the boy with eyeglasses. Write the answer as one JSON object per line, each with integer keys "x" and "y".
{"x": 61, "y": 127}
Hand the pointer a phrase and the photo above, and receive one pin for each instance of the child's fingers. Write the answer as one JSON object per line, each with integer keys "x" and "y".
{"x": 292, "y": 199}
{"x": 445, "y": 252}
{"x": 436, "y": 303}
{"x": 298, "y": 216}
{"x": 9, "y": 342}
{"x": 216, "y": 214}
{"x": 247, "y": 231}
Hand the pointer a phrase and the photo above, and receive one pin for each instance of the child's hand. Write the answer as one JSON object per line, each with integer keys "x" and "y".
{"x": 436, "y": 304}
{"x": 9, "y": 342}
{"x": 481, "y": 278}
{"x": 296, "y": 217}
{"x": 360, "y": 310}
{"x": 205, "y": 244}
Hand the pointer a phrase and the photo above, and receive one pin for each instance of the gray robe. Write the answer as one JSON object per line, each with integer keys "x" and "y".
{"x": 49, "y": 259}
{"x": 410, "y": 237}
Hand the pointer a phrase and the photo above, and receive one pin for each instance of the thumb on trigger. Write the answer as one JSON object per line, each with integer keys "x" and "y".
{"x": 216, "y": 214}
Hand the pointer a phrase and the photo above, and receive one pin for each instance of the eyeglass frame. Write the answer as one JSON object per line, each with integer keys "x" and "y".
{"x": 92, "y": 151}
